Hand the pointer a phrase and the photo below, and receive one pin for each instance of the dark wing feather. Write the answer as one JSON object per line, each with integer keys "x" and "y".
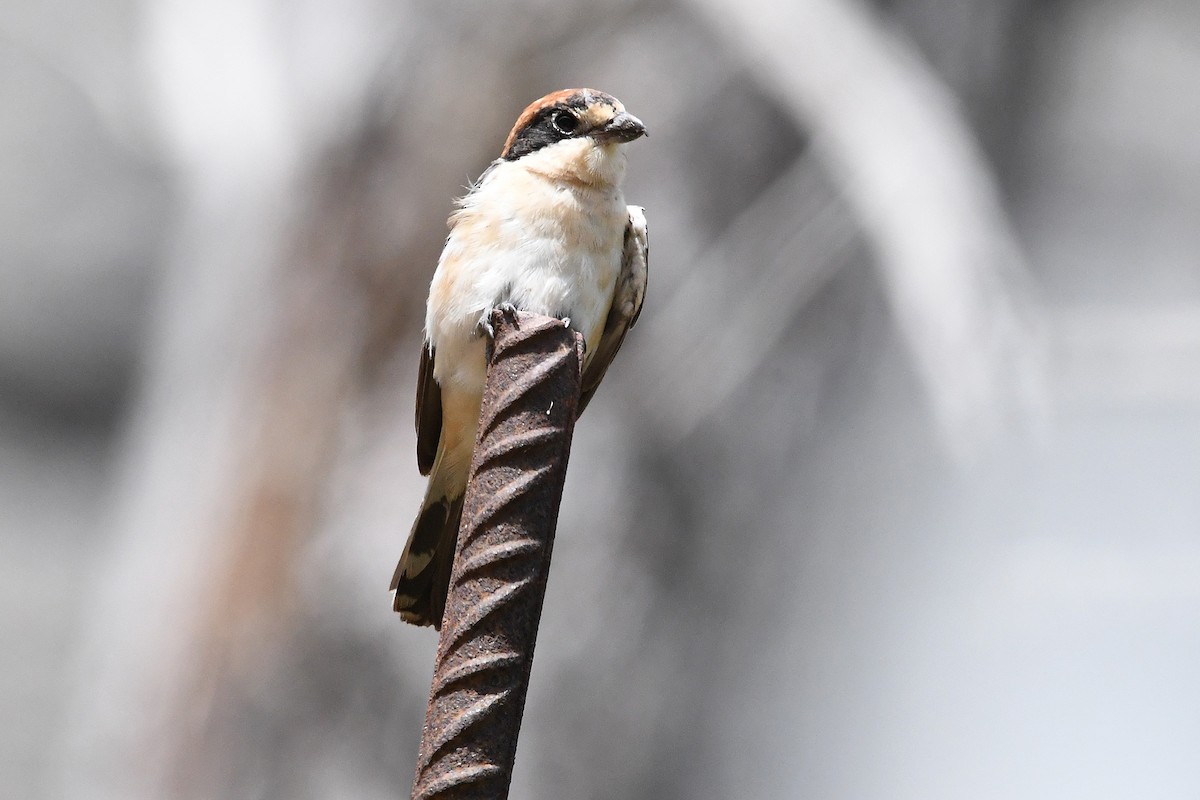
{"x": 626, "y": 305}
{"x": 422, "y": 578}
{"x": 429, "y": 412}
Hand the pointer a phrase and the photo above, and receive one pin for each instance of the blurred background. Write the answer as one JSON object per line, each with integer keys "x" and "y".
{"x": 893, "y": 492}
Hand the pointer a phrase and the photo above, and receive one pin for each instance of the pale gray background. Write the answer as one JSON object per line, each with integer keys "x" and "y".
{"x": 892, "y": 494}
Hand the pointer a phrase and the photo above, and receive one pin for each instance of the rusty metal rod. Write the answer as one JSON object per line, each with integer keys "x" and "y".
{"x": 502, "y": 559}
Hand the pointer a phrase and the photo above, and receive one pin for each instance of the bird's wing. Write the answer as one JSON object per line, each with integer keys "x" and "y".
{"x": 429, "y": 411}
{"x": 626, "y": 305}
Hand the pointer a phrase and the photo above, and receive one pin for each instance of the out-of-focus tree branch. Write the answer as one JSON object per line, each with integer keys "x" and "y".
{"x": 757, "y": 276}
{"x": 918, "y": 185}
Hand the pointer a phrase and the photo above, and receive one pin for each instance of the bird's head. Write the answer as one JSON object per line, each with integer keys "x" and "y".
{"x": 574, "y": 134}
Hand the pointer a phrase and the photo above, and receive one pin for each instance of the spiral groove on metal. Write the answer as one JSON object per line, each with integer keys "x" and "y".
{"x": 498, "y": 580}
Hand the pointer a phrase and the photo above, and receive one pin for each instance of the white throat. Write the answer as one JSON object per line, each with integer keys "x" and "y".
{"x": 580, "y": 160}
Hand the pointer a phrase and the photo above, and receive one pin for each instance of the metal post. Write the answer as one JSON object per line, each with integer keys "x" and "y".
{"x": 498, "y": 581}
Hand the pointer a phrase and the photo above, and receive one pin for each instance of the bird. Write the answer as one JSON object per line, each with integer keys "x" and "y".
{"x": 545, "y": 229}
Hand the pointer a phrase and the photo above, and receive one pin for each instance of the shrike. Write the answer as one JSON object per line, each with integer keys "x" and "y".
{"x": 545, "y": 229}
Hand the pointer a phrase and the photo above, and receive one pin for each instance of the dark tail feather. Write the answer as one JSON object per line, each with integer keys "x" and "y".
{"x": 420, "y": 591}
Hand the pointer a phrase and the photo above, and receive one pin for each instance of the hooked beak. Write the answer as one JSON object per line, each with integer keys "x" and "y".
{"x": 624, "y": 127}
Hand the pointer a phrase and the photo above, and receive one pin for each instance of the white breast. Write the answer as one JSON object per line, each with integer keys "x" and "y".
{"x": 546, "y": 246}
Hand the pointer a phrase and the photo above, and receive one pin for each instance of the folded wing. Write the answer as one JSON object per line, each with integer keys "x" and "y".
{"x": 626, "y": 305}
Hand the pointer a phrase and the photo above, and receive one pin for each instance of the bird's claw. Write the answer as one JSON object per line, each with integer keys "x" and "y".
{"x": 485, "y": 326}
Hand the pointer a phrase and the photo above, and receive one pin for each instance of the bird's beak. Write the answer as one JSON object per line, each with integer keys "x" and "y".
{"x": 624, "y": 127}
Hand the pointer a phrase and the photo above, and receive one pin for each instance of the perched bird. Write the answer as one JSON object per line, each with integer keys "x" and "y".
{"x": 545, "y": 229}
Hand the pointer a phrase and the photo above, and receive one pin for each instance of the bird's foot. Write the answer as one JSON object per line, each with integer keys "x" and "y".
{"x": 485, "y": 327}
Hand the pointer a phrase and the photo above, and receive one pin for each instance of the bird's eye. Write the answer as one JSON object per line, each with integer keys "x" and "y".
{"x": 564, "y": 122}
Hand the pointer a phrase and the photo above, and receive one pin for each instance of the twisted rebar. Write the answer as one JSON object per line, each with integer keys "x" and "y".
{"x": 498, "y": 581}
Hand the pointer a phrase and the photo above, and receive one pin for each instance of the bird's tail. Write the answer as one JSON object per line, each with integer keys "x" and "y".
{"x": 422, "y": 577}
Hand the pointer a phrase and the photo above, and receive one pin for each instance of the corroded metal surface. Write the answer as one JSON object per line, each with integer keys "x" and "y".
{"x": 499, "y": 578}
